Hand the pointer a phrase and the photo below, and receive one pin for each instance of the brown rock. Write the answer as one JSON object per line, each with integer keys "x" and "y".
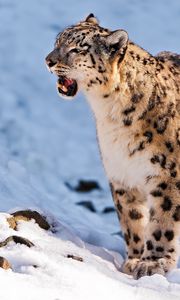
{"x": 75, "y": 257}
{"x": 27, "y": 215}
{"x": 12, "y": 223}
{"x": 4, "y": 263}
{"x": 18, "y": 240}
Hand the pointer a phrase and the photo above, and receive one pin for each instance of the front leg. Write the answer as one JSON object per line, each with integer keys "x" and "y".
{"x": 132, "y": 214}
{"x": 161, "y": 240}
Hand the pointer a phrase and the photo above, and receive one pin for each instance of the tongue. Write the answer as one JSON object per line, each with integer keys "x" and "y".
{"x": 68, "y": 82}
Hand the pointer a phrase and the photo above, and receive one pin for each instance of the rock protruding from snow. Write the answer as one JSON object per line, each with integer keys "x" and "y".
{"x": 75, "y": 257}
{"x": 27, "y": 215}
{"x": 84, "y": 186}
{"x": 88, "y": 205}
{"x": 16, "y": 239}
{"x": 4, "y": 264}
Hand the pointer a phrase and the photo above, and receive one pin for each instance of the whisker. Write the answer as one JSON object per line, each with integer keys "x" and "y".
{"x": 62, "y": 68}
{"x": 60, "y": 73}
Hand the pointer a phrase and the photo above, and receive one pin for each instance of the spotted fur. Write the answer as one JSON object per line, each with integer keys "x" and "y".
{"x": 135, "y": 98}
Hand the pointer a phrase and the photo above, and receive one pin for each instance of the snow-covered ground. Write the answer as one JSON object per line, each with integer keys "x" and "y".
{"x": 47, "y": 144}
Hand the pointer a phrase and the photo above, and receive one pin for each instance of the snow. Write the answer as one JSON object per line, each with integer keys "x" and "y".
{"x": 46, "y": 142}
{"x": 45, "y": 272}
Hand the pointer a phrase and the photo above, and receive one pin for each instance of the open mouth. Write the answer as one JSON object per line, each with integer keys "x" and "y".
{"x": 66, "y": 86}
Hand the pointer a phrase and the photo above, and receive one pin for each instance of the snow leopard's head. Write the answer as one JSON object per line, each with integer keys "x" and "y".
{"x": 84, "y": 56}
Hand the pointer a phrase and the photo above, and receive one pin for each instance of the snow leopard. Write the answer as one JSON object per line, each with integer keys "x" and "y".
{"x": 135, "y": 99}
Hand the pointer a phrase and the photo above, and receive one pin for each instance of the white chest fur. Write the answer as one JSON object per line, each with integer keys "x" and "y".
{"x": 114, "y": 140}
{"x": 120, "y": 167}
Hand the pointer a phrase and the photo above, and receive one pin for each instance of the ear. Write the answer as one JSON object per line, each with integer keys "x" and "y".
{"x": 92, "y": 19}
{"x": 117, "y": 42}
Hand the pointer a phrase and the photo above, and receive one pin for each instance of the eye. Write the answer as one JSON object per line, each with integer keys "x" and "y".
{"x": 75, "y": 50}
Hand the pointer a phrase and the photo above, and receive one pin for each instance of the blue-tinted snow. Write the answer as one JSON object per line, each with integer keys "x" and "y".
{"x": 45, "y": 141}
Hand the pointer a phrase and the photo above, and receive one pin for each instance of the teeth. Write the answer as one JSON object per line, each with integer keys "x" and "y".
{"x": 62, "y": 87}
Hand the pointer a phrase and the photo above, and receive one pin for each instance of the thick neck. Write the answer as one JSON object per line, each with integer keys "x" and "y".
{"x": 130, "y": 83}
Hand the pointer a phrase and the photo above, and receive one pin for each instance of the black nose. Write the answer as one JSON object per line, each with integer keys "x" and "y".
{"x": 52, "y": 58}
{"x": 50, "y": 62}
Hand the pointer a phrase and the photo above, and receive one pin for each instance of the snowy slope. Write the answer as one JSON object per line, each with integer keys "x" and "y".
{"x": 46, "y": 142}
{"x": 45, "y": 272}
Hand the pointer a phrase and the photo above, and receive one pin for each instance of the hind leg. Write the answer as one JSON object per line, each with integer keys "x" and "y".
{"x": 161, "y": 239}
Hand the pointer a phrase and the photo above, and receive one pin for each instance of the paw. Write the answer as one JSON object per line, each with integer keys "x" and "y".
{"x": 129, "y": 265}
{"x": 148, "y": 268}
